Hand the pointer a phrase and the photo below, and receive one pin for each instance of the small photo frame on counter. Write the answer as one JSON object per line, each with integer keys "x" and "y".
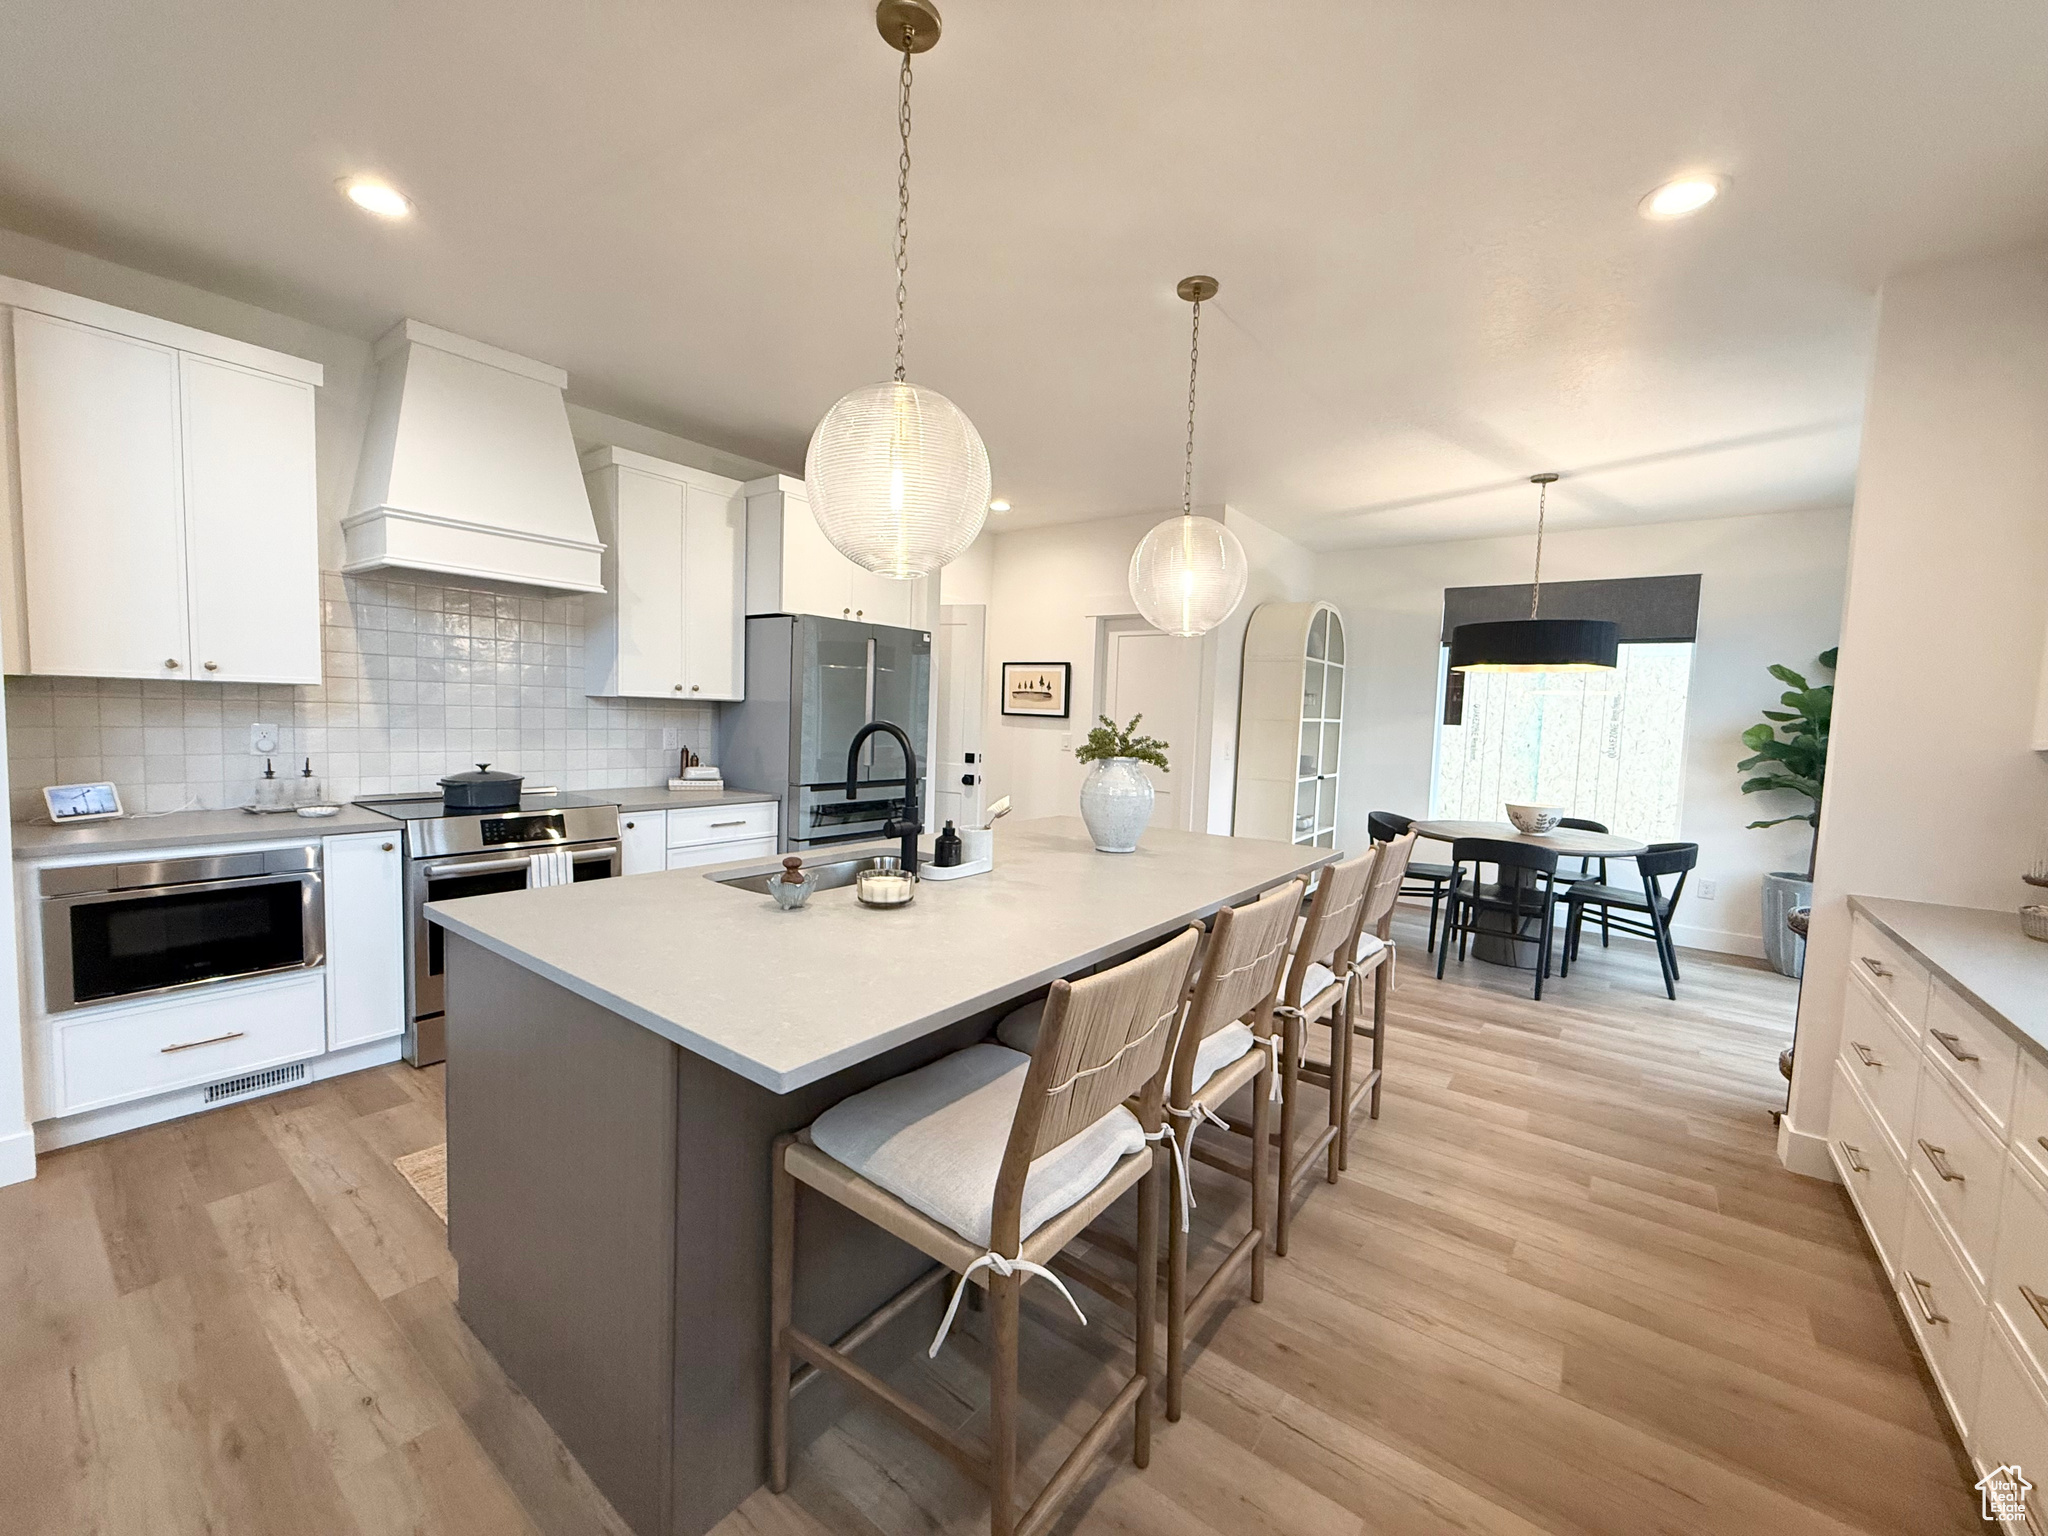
{"x": 1037, "y": 688}
{"x": 68, "y": 803}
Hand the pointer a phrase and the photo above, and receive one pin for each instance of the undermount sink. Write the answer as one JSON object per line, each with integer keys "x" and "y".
{"x": 827, "y": 877}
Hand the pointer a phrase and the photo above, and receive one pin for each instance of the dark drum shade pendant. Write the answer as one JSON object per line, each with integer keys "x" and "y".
{"x": 1536, "y": 644}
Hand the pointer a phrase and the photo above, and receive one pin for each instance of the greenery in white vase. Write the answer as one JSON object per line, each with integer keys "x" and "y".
{"x": 1108, "y": 740}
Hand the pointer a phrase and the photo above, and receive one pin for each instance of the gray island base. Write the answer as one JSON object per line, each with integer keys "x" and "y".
{"x": 622, "y": 1053}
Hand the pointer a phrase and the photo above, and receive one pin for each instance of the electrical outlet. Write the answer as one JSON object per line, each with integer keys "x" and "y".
{"x": 263, "y": 741}
{"x": 671, "y": 738}
{"x": 1709, "y": 889}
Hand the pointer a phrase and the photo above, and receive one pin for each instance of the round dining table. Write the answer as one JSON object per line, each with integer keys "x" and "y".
{"x": 1494, "y": 938}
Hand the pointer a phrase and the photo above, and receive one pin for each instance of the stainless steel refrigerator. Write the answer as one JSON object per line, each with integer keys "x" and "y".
{"x": 811, "y": 684}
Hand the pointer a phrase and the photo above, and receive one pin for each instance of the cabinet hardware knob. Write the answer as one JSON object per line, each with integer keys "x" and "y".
{"x": 213, "y": 666}
{"x": 171, "y": 662}
{"x": 1938, "y": 1156}
{"x": 388, "y": 847}
{"x": 630, "y": 825}
{"x": 679, "y": 688}
{"x": 193, "y": 1044}
{"x": 860, "y": 613}
{"x": 1953, "y": 1044}
{"x": 1875, "y": 966}
{"x": 846, "y": 613}
{"x": 1854, "y": 1157}
{"x": 1923, "y": 1293}
{"x": 693, "y": 687}
{"x": 1863, "y": 1054}
{"x": 2043, "y": 1141}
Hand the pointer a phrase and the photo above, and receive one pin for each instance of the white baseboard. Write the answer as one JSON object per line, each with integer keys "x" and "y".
{"x": 1803, "y": 1152}
{"x": 1720, "y": 941}
{"x": 116, "y": 1118}
{"x": 17, "y": 1157}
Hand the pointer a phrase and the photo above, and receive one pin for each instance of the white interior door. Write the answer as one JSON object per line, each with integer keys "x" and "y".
{"x": 1160, "y": 677}
{"x": 250, "y": 525}
{"x": 959, "y": 777}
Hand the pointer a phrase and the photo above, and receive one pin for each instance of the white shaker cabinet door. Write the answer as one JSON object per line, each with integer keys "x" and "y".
{"x": 649, "y": 581}
{"x": 363, "y": 876}
{"x": 714, "y": 594}
{"x": 643, "y": 842}
{"x": 816, "y": 578}
{"x": 251, "y": 525}
{"x": 102, "y": 543}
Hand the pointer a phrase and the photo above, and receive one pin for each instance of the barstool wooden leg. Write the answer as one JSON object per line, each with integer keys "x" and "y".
{"x": 1290, "y": 1095}
{"x": 1176, "y": 1300}
{"x": 1380, "y": 987}
{"x": 1002, "y": 1405}
{"x": 1262, "y": 1156}
{"x": 782, "y": 1283}
{"x": 1340, "y": 1079}
{"x": 1145, "y": 1284}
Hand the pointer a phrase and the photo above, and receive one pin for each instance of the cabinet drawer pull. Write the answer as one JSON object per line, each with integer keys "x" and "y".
{"x": 213, "y": 666}
{"x": 190, "y": 1045}
{"x": 1953, "y": 1044}
{"x": 389, "y": 847}
{"x": 1939, "y": 1157}
{"x": 1923, "y": 1295}
{"x": 2037, "y": 1301}
{"x": 171, "y": 662}
{"x": 1854, "y": 1157}
{"x": 1863, "y": 1054}
{"x": 1875, "y": 966}
{"x": 717, "y": 824}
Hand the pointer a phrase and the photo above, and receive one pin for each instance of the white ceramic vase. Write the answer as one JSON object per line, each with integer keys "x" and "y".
{"x": 1116, "y": 802}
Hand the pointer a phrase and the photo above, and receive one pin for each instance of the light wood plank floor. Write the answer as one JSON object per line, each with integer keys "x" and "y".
{"x": 1563, "y": 1287}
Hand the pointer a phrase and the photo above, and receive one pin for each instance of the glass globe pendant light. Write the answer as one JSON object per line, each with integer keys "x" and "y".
{"x": 1536, "y": 644}
{"x": 1189, "y": 573}
{"x": 897, "y": 475}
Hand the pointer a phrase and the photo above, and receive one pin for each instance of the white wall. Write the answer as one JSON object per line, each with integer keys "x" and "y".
{"x": 1933, "y": 791}
{"x": 1770, "y": 590}
{"x": 1049, "y": 587}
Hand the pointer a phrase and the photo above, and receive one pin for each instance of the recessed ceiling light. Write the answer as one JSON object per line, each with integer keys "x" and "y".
{"x": 374, "y": 196}
{"x": 999, "y": 506}
{"x": 1686, "y": 195}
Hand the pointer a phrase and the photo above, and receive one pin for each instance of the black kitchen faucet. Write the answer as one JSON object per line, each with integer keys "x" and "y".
{"x": 912, "y": 822}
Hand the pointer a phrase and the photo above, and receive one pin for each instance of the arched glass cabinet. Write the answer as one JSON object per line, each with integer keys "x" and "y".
{"x": 1290, "y": 724}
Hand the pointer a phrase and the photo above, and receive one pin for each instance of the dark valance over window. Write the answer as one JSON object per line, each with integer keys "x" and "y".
{"x": 1650, "y": 609}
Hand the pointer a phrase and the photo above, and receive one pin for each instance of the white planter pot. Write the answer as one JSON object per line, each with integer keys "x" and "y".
{"x": 1782, "y": 947}
{"x": 1116, "y": 802}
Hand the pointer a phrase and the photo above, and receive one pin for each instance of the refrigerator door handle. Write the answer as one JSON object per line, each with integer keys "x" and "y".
{"x": 868, "y": 711}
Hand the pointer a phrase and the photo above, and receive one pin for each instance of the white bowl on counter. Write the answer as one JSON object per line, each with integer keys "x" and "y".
{"x": 1536, "y": 820}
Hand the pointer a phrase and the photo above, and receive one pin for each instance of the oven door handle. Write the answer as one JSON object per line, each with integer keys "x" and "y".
{"x": 520, "y": 861}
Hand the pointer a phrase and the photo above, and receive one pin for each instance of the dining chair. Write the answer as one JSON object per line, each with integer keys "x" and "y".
{"x": 1654, "y": 864}
{"x": 1517, "y": 898}
{"x": 1430, "y": 880}
{"x": 991, "y": 1162}
{"x": 1587, "y": 861}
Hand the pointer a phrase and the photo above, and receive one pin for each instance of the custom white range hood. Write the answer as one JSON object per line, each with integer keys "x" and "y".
{"x": 469, "y": 469}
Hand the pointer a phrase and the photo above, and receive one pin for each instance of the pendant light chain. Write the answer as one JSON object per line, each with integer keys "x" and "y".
{"x": 1187, "y": 480}
{"x": 1536, "y": 585}
{"x": 903, "y": 202}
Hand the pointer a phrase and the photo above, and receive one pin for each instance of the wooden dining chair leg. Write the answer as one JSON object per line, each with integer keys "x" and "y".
{"x": 1290, "y": 1095}
{"x": 1543, "y": 950}
{"x": 1145, "y": 1287}
{"x": 781, "y": 1287}
{"x": 1177, "y": 1293}
{"x": 1436, "y": 895}
{"x": 1262, "y": 1158}
{"x": 1002, "y": 1404}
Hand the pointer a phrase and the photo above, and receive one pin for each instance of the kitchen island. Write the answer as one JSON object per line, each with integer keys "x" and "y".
{"x": 622, "y": 1053}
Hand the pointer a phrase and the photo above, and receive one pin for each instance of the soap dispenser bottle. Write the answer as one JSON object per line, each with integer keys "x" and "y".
{"x": 309, "y": 786}
{"x": 271, "y": 794}
{"x": 946, "y": 848}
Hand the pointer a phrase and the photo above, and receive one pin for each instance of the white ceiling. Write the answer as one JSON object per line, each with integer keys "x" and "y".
{"x": 1422, "y": 214}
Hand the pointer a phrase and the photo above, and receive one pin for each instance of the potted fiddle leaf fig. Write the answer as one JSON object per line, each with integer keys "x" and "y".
{"x": 1789, "y": 755}
{"x": 1116, "y": 797}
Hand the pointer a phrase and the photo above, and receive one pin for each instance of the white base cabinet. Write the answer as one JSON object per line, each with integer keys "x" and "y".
{"x": 164, "y": 489}
{"x": 1935, "y": 1128}
{"x": 364, "y": 876}
{"x": 670, "y": 623}
{"x": 793, "y": 568}
{"x": 643, "y": 842}
{"x": 689, "y": 837}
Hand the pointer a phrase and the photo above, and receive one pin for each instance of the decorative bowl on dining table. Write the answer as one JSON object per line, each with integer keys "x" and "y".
{"x": 1535, "y": 820}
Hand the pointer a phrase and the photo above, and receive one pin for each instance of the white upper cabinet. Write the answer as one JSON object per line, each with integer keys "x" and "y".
{"x": 669, "y": 624}
{"x": 166, "y": 499}
{"x": 792, "y": 568}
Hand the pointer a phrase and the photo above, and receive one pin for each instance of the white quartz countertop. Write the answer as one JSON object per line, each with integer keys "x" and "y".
{"x": 186, "y": 829}
{"x": 661, "y": 798}
{"x": 786, "y": 998}
{"x": 1982, "y": 954}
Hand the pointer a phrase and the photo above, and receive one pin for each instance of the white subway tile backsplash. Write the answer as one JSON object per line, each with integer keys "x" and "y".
{"x": 419, "y": 680}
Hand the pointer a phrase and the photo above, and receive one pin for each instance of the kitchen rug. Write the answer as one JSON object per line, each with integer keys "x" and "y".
{"x": 427, "y": 1172}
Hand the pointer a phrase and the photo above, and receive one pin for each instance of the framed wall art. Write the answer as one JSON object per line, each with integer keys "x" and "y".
{"x": 1037, "y": 688}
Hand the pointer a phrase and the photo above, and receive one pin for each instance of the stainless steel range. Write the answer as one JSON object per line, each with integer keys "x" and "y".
{"x": 474, "y": 853}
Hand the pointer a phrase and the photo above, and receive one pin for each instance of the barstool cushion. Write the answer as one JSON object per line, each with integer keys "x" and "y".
{"x": 1221, "y": 1049}
{"x": 1319, "y": 976}
{"x": 934, "y": 1139}
{"x": 1020, "y": 1026}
